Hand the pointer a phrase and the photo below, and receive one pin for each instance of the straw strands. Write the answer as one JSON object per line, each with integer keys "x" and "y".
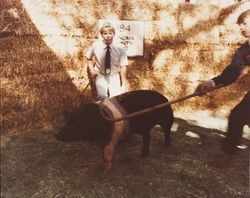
{"x": 43, "y": 70}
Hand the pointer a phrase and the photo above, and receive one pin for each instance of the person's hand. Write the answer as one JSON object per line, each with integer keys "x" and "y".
{"x": 93, "y": 73}
{"x": 204, "y": 87}
{"x": 124, "y": 86}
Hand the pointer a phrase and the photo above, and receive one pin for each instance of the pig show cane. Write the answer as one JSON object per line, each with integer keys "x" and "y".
{"x": 153, "y": 108}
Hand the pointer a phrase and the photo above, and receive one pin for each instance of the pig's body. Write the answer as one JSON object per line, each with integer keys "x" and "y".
{"x": 87, "y": 123}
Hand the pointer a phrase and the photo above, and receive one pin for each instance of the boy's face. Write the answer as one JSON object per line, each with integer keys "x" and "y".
{"x": 108, "y": 35}
{"x": 245, "y": 27}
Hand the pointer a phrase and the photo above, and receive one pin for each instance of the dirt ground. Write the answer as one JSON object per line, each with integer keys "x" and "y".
{"x": 37, "y": 165}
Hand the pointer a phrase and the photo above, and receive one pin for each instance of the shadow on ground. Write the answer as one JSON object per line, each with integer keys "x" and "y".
{"x": 37, "y": 165}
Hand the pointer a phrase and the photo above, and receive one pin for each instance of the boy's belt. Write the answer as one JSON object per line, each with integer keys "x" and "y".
{"x": 111, "y": 74}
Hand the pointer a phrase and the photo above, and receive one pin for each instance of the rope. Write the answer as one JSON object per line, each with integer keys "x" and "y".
{"x": 153, "y": 108}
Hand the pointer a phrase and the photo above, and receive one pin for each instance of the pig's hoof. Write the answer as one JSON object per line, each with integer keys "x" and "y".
{"x": 106, "y": 168}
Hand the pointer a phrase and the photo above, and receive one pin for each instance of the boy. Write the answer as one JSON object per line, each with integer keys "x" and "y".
{"x": 107, "y": 63}
{"x": 240, "y": 114}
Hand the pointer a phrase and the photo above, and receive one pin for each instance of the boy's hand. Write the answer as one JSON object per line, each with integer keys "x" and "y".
{"x": 93, "y": 73}
{"x": 204, "y": 87}
{"x": 124, "y": 86}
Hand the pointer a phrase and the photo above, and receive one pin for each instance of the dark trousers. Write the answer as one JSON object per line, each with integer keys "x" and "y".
{"x": 239, "y": 116}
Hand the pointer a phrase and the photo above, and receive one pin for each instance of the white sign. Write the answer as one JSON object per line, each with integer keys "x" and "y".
{"x": 129, "y": 34}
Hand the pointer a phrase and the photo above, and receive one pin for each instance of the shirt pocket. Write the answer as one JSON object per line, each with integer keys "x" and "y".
{"x": 116, "y": 61}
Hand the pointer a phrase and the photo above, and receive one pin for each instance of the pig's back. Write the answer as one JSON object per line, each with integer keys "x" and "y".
{"x": 140, "y": 99}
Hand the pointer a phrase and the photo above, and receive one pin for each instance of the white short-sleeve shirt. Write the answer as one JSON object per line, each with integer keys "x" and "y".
{"x": 117, "y": 52}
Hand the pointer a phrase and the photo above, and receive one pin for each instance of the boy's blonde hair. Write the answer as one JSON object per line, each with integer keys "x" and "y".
{"x": 242, "y": 16}
{"x": 107, "y": 25}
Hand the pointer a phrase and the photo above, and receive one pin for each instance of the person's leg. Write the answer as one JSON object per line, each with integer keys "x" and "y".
{"x": 101, "y": 86}
{"x": 114, "y": 85}
{"x": 238, "y": 117}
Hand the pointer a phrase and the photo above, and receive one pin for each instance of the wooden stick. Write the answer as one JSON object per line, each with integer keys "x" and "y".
{"x": 153, "y": 108}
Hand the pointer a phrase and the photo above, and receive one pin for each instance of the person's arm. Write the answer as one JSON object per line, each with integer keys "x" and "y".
{"x": 91, "y": 62}
{"x": 123, "y": 74}
{"x": 123, "y": 70}
{"x": 229, "y": 75}
{"x": 91, "y": 68}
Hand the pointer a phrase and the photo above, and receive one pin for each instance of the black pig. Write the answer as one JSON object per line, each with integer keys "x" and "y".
{"x": 87, "y": 122}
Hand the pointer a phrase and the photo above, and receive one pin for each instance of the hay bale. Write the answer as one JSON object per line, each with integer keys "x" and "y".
{"x": 43, "y": 70}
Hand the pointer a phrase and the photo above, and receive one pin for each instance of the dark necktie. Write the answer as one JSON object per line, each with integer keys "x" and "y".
{"x": 107, "y": 60}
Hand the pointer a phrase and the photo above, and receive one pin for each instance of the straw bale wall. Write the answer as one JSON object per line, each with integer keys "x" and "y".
{"x": 43, "y": 70}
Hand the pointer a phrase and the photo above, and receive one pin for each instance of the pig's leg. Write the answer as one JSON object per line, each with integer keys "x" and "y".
{"x": 166, "y": 126}
{"x": 109, "y": 149}
{"x": 145, "y": 146}
{"x": 108, "y": 156}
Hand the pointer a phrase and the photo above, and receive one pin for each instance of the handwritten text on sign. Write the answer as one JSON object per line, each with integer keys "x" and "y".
{"x": 129, "y": 34}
